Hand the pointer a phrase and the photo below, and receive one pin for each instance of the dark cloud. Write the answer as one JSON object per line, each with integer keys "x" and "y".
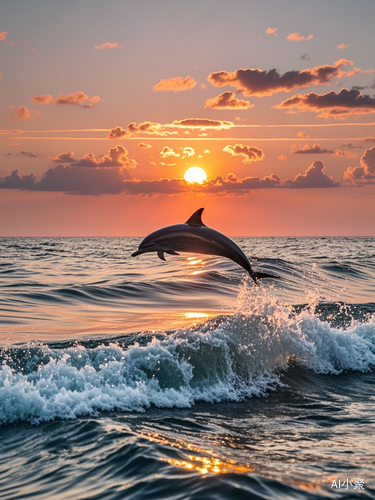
{"x": 258, "y": 82}
{"x": 227, "y": 100}
{"x": 250, "y": 153}
{"x": 314, "y": 177}
{"x": 202, "y": 123}
{"x": 305, "y": 57}
{"x": 70, "y": 180}
{"x": 116, "y": 157}
{"x": 345, "y": 103}
{"x": 315, "y": 149}
{"x": 365, "y": 173}
{"x": 27, "y": 154}
{"x": 134, "y": 129}
{"x": 14, "y": 181}
{"x": 369, "y": 139}
{"x": 352, "y": 146}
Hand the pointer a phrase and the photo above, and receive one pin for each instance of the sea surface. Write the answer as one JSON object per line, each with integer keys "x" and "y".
{"x": 134, "y": 378}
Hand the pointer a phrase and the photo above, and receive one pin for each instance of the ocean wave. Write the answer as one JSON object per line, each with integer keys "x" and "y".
{"x": 227, "y": 358}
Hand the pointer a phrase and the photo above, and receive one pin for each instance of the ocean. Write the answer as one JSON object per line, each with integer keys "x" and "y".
{"x": 133, "y": 378}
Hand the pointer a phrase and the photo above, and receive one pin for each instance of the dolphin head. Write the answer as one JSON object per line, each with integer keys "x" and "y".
{"x": 145, "y": 248}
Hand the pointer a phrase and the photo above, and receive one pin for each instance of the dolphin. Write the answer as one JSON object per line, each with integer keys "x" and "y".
{"x": 194, "y": 236}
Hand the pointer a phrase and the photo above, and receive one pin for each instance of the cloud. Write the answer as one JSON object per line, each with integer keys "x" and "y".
{"x": 296, "y": 37}
{"x": 345, "y": 103}
{"x": 345, "y": 45}
{"x": 3, "y": 35}
{"x": 302, "y": 135}
{"x": 71, "y": 180}
{"x": 271, "y": 31}
{"x": 134, "y": 129}
{"x": 109, "y": 45}
{"x": 260, "y": 83}
{"x": 22, "y": 113}
{"x": 344, "y": 154}
{"x": 175, "y": 84}
{"x": 306, "y": 56}
{"x": 369, "y": 139}
{"x": 227, "y": 100}
{"x": 282, "y": 157}
{"x": 365, "y": 173}
{"x": 116, "y": 157}
{"x": 315, "y": 149}
{"x": 166, "y": 152}
{"x": 42, "y": 99}
{"x": 143, "y": 145}
{"x": 202, "y": 123}
{"x": 14, "y": 181}
{"x": 250, "y": 153}
{"x": 63, "y": 158}
{"x": 314, "y": 177}
{"x": 27, "y": 154}
{"x": 75, "y": 98}
{"x": 352, "y": 146}
{"x": 188, "y": 152}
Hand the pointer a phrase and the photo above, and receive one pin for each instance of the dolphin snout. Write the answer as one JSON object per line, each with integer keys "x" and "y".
{"x": 138, "y": 252}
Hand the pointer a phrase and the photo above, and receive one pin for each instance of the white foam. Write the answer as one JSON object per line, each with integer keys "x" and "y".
{"x": 239, "y": 357}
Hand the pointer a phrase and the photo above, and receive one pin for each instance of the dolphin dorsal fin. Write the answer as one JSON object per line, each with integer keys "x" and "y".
{"x": 196, "y": 218}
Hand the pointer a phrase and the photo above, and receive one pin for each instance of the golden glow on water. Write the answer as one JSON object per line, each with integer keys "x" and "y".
{"x": 205, "y": 465}
{"x": 195, "y": 315}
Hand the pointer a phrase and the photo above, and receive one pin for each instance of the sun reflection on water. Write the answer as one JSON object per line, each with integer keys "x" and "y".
{"x": 204, "y": 465}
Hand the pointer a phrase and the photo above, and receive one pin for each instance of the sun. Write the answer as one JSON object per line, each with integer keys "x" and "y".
{"x": 195, "y": 174}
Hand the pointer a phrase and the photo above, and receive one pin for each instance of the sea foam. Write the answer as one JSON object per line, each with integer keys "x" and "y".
{"x": 230, "y": 357}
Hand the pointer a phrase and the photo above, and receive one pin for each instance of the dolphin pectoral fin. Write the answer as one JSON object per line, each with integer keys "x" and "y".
{"x": 171, "y": 252}
{"x": 161, "y": 255}
{"x": 196, "y": 218}
{"x": 260, "y": 276}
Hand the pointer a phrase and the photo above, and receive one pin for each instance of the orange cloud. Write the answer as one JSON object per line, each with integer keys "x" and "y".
{"x": 365, "y": 173}
{"x": 251, "y": 153}
{"x": 202, "y": 123}
{"x": 175, "y": 84}
{"x": 260, "y": 83}
{"x": 302, "y": 135}
{"x": 22, "y": 113}
{"x": 314, "y": 177}
{"x": 345, "y": 45}
{"x": 73, "y": 98}
{"x": 134, "y": 129}
{"x": 271, "y": 31}
{"x": 63, "y": 158}
{"x": 109, "y": 45}
{"x": 227, "y": 100}
{"x": 296, "y": 37}
{"x": 345, "y": 103}
{"x": 344, "y": 154}
{"x": 167, "y": 152}
{"x": 143, "y": 145}
{"x": 3, "y": 35}
{"x": 188, "y": 152}
{"x": 282, "y": 157}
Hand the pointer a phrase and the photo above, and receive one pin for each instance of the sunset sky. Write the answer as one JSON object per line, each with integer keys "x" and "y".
{"x": 106, "y": 104}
